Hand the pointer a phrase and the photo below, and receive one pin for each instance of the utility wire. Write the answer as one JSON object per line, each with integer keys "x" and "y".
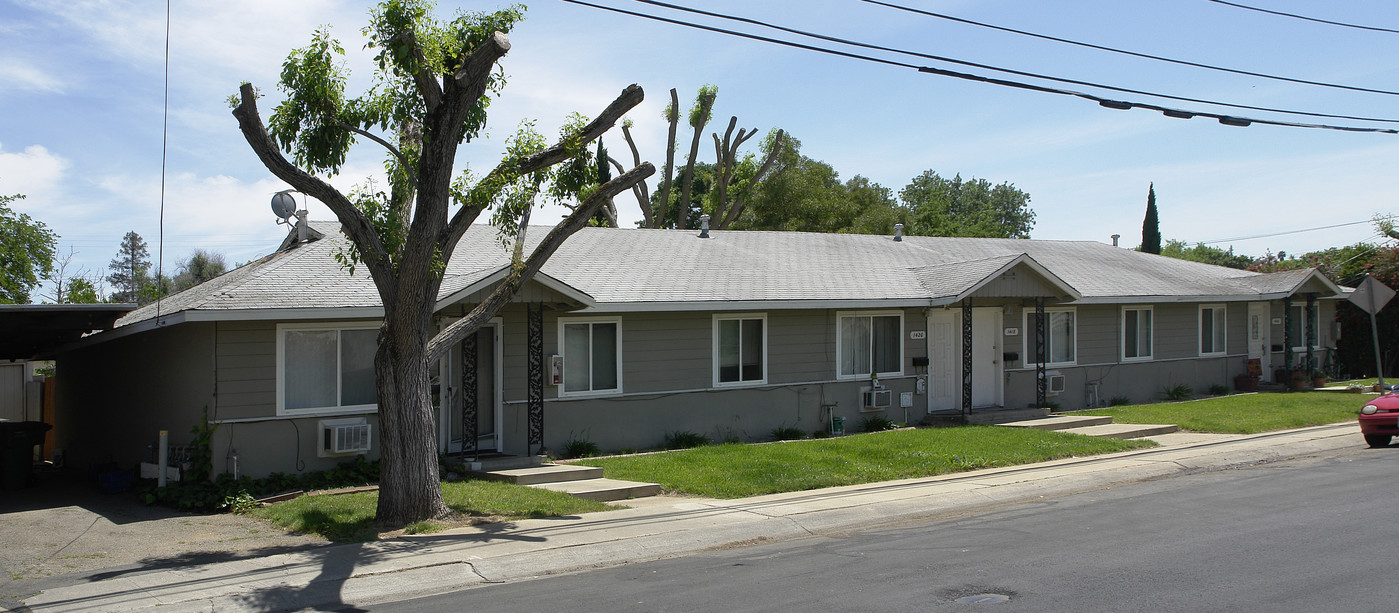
{"x": 1305, "y": 18}
{"x": 1021, "y": 73}
{"x": 1246, "y": 238}
{"x": 164, "y": 137}
{"x": 1132, "y": 53}
{"x": 1104, "y": 102}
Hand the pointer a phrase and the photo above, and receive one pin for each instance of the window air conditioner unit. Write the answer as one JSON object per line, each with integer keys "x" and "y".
{"x": 875, "y": 398}
{"x": 1054, "y": 384}
{"x": 343, "y": 437}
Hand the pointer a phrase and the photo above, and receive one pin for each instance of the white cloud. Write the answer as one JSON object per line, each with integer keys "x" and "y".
{"x": 19, "y": 75}
{"x": 33, "y": 171}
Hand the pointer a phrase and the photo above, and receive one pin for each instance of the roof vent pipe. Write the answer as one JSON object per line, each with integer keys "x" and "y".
{"x": 1114, "y": 239}
{"x": 704, "y": 226}
{"x": 898, "y": 232}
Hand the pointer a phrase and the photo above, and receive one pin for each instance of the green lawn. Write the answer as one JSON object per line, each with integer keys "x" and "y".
{"x": 737, "y": 471}
{"x": 350, "y": 517}
{"x": 1244, "y": 413}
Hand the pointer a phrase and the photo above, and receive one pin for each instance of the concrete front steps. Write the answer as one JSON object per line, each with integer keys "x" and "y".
{"x": 581, "y": 481}
{"x": 1093, "y": 425}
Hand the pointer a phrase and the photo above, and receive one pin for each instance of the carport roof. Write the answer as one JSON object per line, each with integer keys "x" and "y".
{"x": 29, "y": 331}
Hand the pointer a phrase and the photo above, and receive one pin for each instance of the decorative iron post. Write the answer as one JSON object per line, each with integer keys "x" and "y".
{"x": 1041, "y": 383}
{"x": 1311, "y": 325}
{"x": 1287, "y": 340}
{"x": 966, "y": 357}
{"x": 469, "y": 423}
{"x": 536, "y": 377}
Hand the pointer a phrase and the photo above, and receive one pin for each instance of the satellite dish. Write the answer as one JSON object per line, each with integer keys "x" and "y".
{"x": 283, "y": 204}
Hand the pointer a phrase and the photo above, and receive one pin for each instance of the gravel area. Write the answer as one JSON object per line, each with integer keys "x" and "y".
{"x": 63, "y": 531}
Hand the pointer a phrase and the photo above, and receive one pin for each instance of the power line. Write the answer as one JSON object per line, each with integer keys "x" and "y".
{"x": 1104, "y": 102}
{"x": 1246, "y": 238}
{"x": 1305, "y": 18}
{"x": 1132, "y": 53}
{"x": 1021, "y": 73}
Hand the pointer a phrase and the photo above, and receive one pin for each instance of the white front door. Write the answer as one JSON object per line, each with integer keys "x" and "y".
{"x": 1260, "y": 326}
{"x": 987, "y": 368}
{"x": 944, "y": 360}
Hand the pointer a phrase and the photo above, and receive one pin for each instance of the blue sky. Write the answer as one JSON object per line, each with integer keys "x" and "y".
{"x": 81, "y": 105}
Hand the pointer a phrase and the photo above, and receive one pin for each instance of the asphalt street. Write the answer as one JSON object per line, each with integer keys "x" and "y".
{"x": 1310, "y": 534}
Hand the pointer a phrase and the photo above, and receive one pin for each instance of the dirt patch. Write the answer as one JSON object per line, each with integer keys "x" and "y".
{"x": 64, "y": 531}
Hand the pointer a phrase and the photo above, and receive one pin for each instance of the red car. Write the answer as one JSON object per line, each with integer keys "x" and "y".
{"x": 1379, "y": 420}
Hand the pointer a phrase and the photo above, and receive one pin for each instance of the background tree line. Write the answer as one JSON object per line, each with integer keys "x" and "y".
{"x": 29, "y": 256}
{"x": 776, "y": 187}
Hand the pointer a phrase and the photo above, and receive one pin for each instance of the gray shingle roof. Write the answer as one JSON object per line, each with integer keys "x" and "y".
{"x": 633, "y": 268}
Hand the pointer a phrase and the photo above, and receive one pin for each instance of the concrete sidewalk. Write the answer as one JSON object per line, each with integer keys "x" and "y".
{"x": 366, "y": 573}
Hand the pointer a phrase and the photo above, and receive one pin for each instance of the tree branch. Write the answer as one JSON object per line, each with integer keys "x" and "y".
{"x": 739, "y": 203}
{"x": 428, "y": 86}
{"x": 392, "y": 149}
{"x": 674, "y": 120}
{"x": 470, "y": 80}
{"x": 508, "y": 287}
{"x": 643, "y": 197}
{"x": 629, "y": 98}
{"x": 353, "y": 222}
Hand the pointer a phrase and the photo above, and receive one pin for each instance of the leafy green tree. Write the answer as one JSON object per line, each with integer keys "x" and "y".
{"x": 878, "y": 211}
{"x": 130, "y": 269}
{"x": 27, "y": 250}
{"x": 200, "y": 266}
{"x": 1206, "y": 254}
{"x": 953, "y": 207}
{"x": 1151, "y": 224}
{"x": 433, "y": 83}
{"x": 80, "y": 291}
{"x": 800, "y": 194}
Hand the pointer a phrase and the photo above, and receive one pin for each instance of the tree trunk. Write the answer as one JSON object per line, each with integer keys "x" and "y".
{"x": 409, "y": 484}
{"x": 673, "y": 119}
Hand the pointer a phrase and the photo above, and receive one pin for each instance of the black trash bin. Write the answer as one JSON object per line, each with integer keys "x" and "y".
{"x": 17, "y": 441}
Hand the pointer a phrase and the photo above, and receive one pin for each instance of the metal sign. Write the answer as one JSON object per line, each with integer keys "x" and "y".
{"x": 1371, "y": 295}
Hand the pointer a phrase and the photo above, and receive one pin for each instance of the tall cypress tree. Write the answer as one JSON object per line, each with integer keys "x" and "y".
{"x": 1151, "y": 226}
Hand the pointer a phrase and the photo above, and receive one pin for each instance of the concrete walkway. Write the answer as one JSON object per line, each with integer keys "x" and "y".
{"x": 366, "y": 573}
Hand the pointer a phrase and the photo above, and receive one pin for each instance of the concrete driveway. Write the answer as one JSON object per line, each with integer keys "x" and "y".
{"x": 63, "y": 530}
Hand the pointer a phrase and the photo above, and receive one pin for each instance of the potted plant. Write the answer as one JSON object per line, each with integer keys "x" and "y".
{"x": 1318, "y": 378}
{"x": 1298, "y": 380}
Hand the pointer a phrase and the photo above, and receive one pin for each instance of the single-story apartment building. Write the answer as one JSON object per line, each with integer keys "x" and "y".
{"x": 627, "y": 335}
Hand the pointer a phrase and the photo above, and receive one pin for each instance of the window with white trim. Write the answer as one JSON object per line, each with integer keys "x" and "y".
{"x": 1136, "y": 333}
{"x": 740, "y": 349}
{"x": 326, "y": 368}
{"x": 1212, "y": 329}
{"x": 1299, "y": 324}
{"x": 592, "y": 355}
{"x": 1060, "y": 337}
{"x": 869, "y": 342}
